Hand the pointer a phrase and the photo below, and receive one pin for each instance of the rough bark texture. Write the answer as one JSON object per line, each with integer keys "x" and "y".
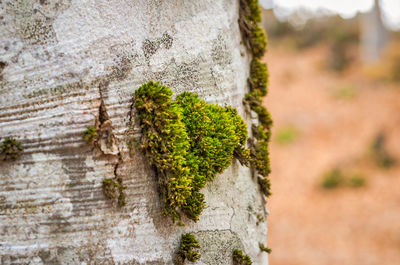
{"x": 60, "y": 61}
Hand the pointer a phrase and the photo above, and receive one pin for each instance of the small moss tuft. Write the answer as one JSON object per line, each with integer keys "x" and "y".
{"x": 264, "y": 248}
{"x": 265, "y": 185}
{"x": 188, "y": 142}
{"x": 114, "y": 190}
{"x": 10, "y": 149}
{"x": 90, "y": 134}
{"x": 255, "y": 11}
{"x": 258, "y": 41}
{"x": 240, "y": 259}
{"x": 187, "y": 249}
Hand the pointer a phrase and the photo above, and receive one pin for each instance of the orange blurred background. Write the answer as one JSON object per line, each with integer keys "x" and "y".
{"x": 335, "y": 148}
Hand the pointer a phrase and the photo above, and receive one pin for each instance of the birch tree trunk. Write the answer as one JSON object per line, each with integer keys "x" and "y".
{"x": 61, "y": 61}
{"x": 374, "y": 35}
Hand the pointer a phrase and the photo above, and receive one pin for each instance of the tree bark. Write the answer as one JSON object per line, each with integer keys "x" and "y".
{"x": 374, "y": 35}
{"x": 68, "y": 64}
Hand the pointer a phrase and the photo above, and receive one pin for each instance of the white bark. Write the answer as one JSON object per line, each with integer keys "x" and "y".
{"x": 62, "y": 58}
{"x": 374, "y": 35}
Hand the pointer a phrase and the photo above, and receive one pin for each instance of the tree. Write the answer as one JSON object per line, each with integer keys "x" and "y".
{"x": 69, "y": 69}
{"x": 374, "y": 35}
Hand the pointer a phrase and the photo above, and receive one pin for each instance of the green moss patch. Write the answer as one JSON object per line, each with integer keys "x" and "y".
{"x": 253, "y": 34}
{"x": 241, "y": 259}
{"x": 10, "y": 149}
{"x": 90, "y": 134}
{"x": 188, "y": 142}
{"x": 259, "y": 76}
{"x": 187, "y": 249}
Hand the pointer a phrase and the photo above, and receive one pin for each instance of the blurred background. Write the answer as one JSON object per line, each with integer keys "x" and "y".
{"x": 334, "y": 95}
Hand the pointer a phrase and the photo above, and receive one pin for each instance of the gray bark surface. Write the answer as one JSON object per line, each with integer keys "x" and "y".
{"x": 374, "y": 35}
{"x": 61, "y": 60}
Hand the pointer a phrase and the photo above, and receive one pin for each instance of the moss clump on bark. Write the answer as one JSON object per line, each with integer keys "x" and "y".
{"x": 252, "y": 33}
{"x": 259, "y": 76}
{"x": 114, "y": 190}
{"x": 264, "y": 248}
{"x": 255, "y": 39}
{"x": 188, "y": 142}
{"x": 258, "y": 41}
{"x": 187, "y": 249}
{"x": 241, "y": 259}
{"x": 90, "y": 134}
{"x": 10, "y": 149}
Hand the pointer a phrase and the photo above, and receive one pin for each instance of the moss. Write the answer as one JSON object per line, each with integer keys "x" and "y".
{"x": 265, "y": 186}
{"x": 114, "y": 190}
{"x": 90, "y": 134}
{"x": 260, "y": 219}
{"x": 10, "y": 149}
{"x": 256, "y": 40}
{"x": 133, "y": 145}
{"x": 255, "y": 11}
{"x": 240, "y": 259}
{"x": 188, "y": 142}
{"x": 252, "y": 33}
{"x": 264, "y": 248}
{"x": 2, "y": 66}
{"x": 259, "y": 76}
{"x": 187, "y": 249}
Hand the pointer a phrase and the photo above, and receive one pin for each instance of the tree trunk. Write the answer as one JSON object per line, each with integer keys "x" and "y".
{"x": 374, "y": 35}
{"x": 66, "y": 65}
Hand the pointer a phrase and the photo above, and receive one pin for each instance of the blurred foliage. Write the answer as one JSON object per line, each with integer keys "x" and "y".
{"x": 332, "y": 179}
{"x": 356, "y": 181}
{"x": 347, "y": 91}
{"x": 286, "y": 135}
{"x": 331, "y": 29}
{"x": 387, "y": 69}
{"x": 380, "y": 154}
{"x": 338, "y": 178}
{"x": 338, "y": 33}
